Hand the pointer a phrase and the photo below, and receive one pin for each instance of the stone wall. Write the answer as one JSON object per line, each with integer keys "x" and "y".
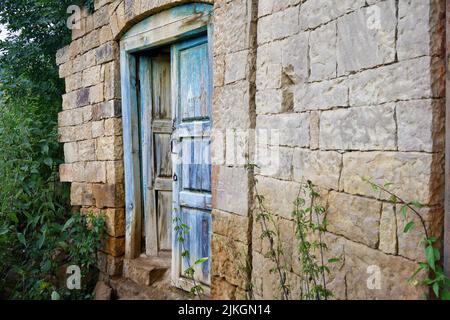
{"x": 355, "y": 88}
{"x": 365, "y": 82}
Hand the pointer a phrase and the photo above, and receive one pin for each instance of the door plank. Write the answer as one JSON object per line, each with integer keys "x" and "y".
{"x": 163, "y": 161}
{"x": 149, "y": 203}
{"x": 162, "y": 108}
{"x": 164, "y": 199}
{"x": 131, "y": 156}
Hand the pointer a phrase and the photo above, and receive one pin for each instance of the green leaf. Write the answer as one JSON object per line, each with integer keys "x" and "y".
{"x": 13, "y": 217}
{"x": 334, "y": 260}
{"x": 404, "y": 211}
{"x": 417, "y": 204}
{"x": 201, "y": 260}
{"x": 21, "y": 238}
{"x": 68, "y": 223}
{"x": 408, "y": 227}
{"x": 429, "y": 254}
{"x": 48, "y": 162}
{"x": 445, "y": 295}
{"x": 41, "y": 241}
{"x": 436, "y": 289}
{"x": 3, "y": 231}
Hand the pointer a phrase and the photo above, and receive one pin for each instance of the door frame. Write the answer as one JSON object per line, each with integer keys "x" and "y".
{"x": 163, "y": 28}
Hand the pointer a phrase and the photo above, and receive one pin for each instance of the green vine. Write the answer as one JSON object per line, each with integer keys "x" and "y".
{"x": 182, "y": 230}
{"x": 309, "y": 223}
{"x": 436, "y": 278}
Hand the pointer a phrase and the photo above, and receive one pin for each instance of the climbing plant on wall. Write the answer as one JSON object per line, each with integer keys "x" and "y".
{"x": 431, "y": 268}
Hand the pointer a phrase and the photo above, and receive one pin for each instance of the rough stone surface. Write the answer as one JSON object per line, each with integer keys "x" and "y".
{"x": 102, "y": 291}
{"x": 322, "y": 167}
{"x": 289, "y": 129}
{"x": 367, "y": 37}
{"x": 322, "y": 52}
{"x": 354, "y": 218}
{"x": 413, "y": 175}
{"x": 321, "y": 95}
{"x": 337, "y": 90}
{"x": 421, "y": 125}
{"x": 363, "y": 128}
{"x": 388, "y": 230}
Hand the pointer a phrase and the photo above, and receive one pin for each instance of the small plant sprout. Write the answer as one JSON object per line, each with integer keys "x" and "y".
{"x": 182, "y": 231}
{"x": 436, "y": 279}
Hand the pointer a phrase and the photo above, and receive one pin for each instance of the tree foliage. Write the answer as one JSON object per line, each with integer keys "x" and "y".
{"x": 34, "y": 205}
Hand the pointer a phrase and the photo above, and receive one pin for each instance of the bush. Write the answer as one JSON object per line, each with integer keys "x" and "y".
{"x": 38, "y": 237}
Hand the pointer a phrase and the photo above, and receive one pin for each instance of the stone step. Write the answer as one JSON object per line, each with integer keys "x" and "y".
{"x": 126, "y": 289}
{"x": 145, "y": 271}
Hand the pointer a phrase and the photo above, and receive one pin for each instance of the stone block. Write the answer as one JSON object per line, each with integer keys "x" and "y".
{"x": 317, "y": 12}
{"x": 92, "y": 76}
{"x": 278, "y": 25}
{"x": 236, "y": 66}
{"x": 274, "y": 161}
{"x": 114, "y": 246}
{"x": 314, "y": 130}
{"x": 270, "y": 188}
{"x": 421, "y": 125}
{"x": 83, "y": 97}
{"x": 321, "y": 95}
{"x": 95, "y": 171}
{"x": 98, "y": 128}
{"x": 229, "y": 192}
{"x": 81, "y": 194}
{"x": 101, "y": 17}
{"x": 113, "y": 127}
{"x": 70, "y": 118}
{"x": 86, "y": 150}
{"x": 112, "y": 80}
{"x": 73, "y": 82}
{"x": 290, "y": 129}
{"x": 231, "y": 27}
{"x": 421, "y": 28}
{"x": 355, "y": 218}
{"x": 115, "y": 172}
{"x": 71, "y": 152}
{"x": 107, "y": 52}
{"x": 415, "y": 79}
{"x": 294, "y": 51}
{"x": 362, "y": 128}
{"x": 322, "y": 168}
{"x": 107, "y": 109}
{"x": 230, "y": 225}
{"x": 367, "y": 37}
{"x": 414, "y": 176}
{"x": 96, "y": 93}
{"x": 91, "y": 40}
{"x": 115, "y": 222}
{"x": 231, "y": 106}
{"x": 108, "y": 195}
{"x": 410, "y": 244}
{"x": 63, "y": 55}
{"x": 322, "y": 52}
{"x": 109, "y": 148}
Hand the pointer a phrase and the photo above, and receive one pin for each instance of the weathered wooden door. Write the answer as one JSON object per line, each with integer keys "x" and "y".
{"x": 191, "y": 92}
{"x": 156, "y": 130}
